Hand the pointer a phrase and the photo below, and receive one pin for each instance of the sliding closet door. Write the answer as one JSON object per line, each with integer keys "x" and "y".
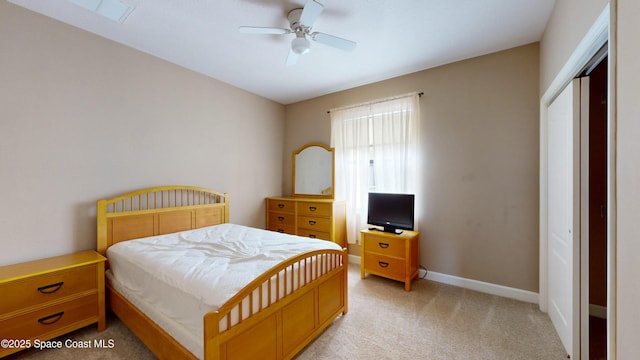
{"x": 563, "y": 213}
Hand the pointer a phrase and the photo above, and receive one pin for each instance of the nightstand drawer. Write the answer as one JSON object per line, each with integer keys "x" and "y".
{"x": 51, "y": 318}
{"x": 385, "y": 246}
{"x": 281, "y": 205}
{"x": 41, "y": 289}
{"x": 314, "y": 234}
{"x": 386, "y": 266}
{"x": 314, "y": 223}
{"x": 314, "y": 209}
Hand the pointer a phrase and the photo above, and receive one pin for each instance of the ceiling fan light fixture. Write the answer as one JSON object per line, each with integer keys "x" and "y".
{"x": 300, "y": 45}
{"x": 300, "y": 23}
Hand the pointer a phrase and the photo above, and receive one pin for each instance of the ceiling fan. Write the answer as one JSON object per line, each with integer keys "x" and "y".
{"x": 301, "y": 22}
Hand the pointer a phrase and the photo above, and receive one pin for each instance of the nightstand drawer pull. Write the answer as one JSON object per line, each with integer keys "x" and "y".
{"x": 383, "y": 264}
{"x": 281, "y": 205}
{"x": 313, "y": 236}
{"x": 50, "y": 289}
{"x": 281, "y": 218}
{"x": 383, "y": 245}
{"x": 281, "y": 231}
{"x": 312, "y": 208}
{"x": 51, "y": 319}
{"x": 312, "y": 222}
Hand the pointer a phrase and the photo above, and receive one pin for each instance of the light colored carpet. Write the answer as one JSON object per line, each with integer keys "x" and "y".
{"x": 434, "y": 321}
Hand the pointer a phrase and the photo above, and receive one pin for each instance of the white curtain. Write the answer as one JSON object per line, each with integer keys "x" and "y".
{"x": 376, "y": 149}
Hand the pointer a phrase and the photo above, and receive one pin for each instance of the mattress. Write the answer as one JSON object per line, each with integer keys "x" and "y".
{"x": 175, "y": 279}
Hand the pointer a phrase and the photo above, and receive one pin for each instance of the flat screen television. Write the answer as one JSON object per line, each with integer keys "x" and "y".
{"x": 393, "y": 212}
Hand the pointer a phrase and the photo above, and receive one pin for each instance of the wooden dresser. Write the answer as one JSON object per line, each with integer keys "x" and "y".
{"x": 316, "y": 218}
{"x": 46, "y": 298}
{"x": 389, "y": 255}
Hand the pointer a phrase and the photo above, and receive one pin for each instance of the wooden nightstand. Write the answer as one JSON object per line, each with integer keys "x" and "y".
{"x": 46, "y": 298}
{"x": 390, "y": 255}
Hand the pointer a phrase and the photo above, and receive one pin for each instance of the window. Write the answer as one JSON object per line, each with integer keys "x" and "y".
{"x": 376, "y": 150}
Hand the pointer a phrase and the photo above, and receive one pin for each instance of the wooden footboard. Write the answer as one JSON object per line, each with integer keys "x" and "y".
{"x": 276, "y": 331}
{"x": 277, "y": 326}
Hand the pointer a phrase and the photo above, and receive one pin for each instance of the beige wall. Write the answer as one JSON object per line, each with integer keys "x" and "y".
{"x": 479, "y": 202}
{"x": 82, "y": 118}
{"x": 628, "y": 179}
{"x": 569, "y": 22}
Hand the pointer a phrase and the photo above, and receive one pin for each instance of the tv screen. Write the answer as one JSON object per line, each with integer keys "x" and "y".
{"x": 391, "y": 211}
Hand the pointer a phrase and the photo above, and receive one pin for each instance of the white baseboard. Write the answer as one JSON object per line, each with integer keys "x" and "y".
{"x": 598, "y": 311}
{"x": 481, "y": 286}
{"x": 493, "y": 289}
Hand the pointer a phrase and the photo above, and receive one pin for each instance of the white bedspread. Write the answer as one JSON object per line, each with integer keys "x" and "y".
{"x": 185, "y": 275}
{"x": 212, "y": 264}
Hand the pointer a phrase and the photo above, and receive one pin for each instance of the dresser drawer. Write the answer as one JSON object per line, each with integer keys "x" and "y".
{"x": 37, "y": 290}
{"x": 281, "y": 219}
{"x": 282, "y": 229}
{"x": 390, "y": 267}
{"x": 314, "y": 223}
{"x": 315, "y": 234}
{"x": 308, "y": 217}
{"x": 278, "y": 205}
{"x": 51, "y": 318}
{"x": 314, "y": 209}
{"x": 385, "y": 246}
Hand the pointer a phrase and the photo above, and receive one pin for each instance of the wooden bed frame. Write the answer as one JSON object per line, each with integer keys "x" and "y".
{"x": 278, "y": 330}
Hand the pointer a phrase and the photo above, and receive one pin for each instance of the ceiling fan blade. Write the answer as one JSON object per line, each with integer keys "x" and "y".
{"x": 263, "y": 30}
{"x": 312, "y": 9}
{"x": 336, "y": 42}
{"x": 292, "y": 58}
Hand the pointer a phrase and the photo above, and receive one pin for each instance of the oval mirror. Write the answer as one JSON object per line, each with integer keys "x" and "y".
{"x": 313, "y": 166}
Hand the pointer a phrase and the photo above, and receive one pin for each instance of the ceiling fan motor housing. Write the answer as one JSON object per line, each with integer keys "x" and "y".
{"x": 294, "y": 21}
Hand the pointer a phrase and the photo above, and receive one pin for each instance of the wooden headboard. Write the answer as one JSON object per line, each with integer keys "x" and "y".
{"x": 156, "y": 211}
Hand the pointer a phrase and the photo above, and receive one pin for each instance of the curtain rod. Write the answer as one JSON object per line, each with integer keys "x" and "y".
{"x": 377, "y": 101}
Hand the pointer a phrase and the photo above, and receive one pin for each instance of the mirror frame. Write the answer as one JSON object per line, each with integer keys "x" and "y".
{"x": 333, "y": 169}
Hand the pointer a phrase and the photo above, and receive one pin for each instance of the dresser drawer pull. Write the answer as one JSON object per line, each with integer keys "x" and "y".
{"x": 383, "y": 245}
{"x": 51, "y": 319}
{"x": 312, "y": 208}
{"x": 281, "y": 218}
{"x": 280, "y": 230}
{"x": 50, "y": 289}
{"x": 312, "y": 222}
{"x": 280, "y": 205}
{"x": 313, "y": 236}
{"x": 383, "y": 264}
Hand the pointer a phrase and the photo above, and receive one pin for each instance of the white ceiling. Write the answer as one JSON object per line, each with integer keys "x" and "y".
{"x": 395, "y": 37}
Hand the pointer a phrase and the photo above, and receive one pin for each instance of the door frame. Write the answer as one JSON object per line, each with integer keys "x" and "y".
{"x": 601, "y": 32}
